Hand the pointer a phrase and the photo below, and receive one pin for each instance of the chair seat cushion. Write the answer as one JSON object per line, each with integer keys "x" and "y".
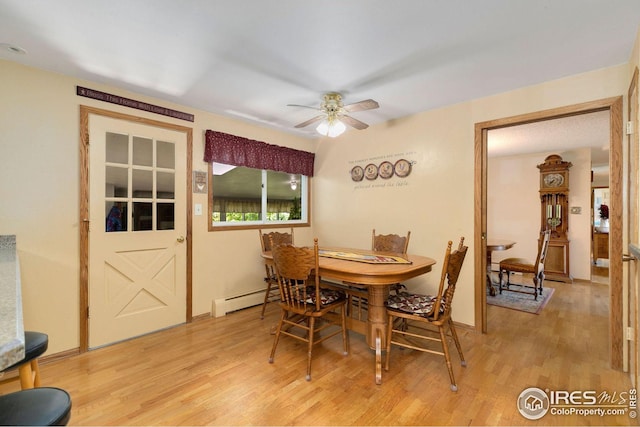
{"x": 43, "y": 406}
{"x": 412, "y": 303}
{"x": 517, "y": 264}
{"x": 327, "y": 296}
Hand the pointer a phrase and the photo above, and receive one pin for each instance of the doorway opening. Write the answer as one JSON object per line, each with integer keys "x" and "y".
{"x": 614, "y": 107}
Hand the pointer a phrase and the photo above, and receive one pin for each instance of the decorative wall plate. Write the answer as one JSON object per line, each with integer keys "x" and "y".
{"x": 402, "y": 168}
{"x": 371, "y": 171}
{"x": 357, "y": 173}
{"x": 385, "y": 170}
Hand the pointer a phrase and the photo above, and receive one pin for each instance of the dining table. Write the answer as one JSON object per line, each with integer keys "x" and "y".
{"x": 360, "y": 266}
{"x": 492, "y": 246}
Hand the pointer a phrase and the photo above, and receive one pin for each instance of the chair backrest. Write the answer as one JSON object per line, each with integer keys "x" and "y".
{"x": 297, "y": 273}
{"x": 390, "y": 242}
{"x": 450, "y": 272}
{"x": 543, "y": 247}
{"x": 276, "y": 237}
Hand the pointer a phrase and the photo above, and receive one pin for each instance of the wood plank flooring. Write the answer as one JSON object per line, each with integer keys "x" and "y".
{"x": 215, "y": 372}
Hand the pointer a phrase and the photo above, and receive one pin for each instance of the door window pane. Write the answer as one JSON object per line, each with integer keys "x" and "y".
{"x": 117, "y": 148}
{"x": 142, "y": 151}
{"x": 165, "y": 216}
{"x": 116, "y": 216}
{"x": 165, "y": 184}
{"x": 116, "y": 181}
{"x": 142, "y": 216}
{"x": 142, "y": 183}
{"x": 166, "y": 155}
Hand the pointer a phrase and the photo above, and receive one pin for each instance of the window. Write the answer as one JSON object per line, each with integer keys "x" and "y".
{"x": 255, "y": 184}
{"x": 243, "y": 196}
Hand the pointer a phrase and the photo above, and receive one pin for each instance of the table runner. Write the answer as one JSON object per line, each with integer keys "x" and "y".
{"x": 367, "y": 258}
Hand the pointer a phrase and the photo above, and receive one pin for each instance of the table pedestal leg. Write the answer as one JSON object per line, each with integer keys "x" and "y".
{"x": 377, "y": 324}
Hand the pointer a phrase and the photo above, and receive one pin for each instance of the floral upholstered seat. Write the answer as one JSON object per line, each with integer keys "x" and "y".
{"x": 413, "y": 303}
{"x": 327, "y": 296}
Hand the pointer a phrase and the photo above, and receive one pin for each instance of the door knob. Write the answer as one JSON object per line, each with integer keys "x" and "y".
{"x": 180, "y": 239}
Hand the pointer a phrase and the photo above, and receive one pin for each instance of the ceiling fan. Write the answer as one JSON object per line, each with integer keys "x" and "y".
{"x": 334, "y": 114}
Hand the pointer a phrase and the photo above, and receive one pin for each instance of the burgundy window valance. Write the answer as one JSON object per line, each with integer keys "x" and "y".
{"x": 238, "y": 151}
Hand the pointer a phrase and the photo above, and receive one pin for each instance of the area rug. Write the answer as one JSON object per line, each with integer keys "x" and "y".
{"x": 521, "y": 302}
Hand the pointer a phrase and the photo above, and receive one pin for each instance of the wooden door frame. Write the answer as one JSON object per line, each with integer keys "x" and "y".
{"x": 85, "y": 111}
{"x": 614, "y": 106}
{"x": 634, "y": 223}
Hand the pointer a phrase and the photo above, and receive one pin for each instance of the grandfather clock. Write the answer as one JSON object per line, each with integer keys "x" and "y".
{"x": 554, "y": 215}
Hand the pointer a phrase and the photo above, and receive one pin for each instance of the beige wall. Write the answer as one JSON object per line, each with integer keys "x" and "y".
{"x": 436, "y": 201}
{"x": 40, "y": 173}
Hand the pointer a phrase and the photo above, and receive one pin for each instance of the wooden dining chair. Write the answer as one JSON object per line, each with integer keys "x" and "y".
{"x": 307, "y": 307}
{"x": 424, "y": 319}
{"x": 357, "y": 294}
{"x": 522, "y": 265}
{"x": 271, "y": 292}
{"x": 390, "y": 242}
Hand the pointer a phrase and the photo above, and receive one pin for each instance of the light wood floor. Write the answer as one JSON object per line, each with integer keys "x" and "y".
{"x": 215, "y": 372}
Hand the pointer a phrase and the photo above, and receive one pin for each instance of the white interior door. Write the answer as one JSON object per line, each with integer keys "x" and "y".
{"x": 137, "y": 251}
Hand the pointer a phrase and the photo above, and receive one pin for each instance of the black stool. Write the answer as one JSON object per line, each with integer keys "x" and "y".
{"x": 44, "y": 406}
{"x": 35, "y": 344}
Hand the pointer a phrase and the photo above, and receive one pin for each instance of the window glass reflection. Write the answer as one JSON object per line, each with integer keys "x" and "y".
{"x": 284, "y": 193}
{"x": 116, "y": 181}
{"x": 117, "y": 148}
{"x": 142, "y": 183}
{"x": 142, "y": 151}
{"x": 116, "y": 216}
{"x": 237, "y": 194}
{"x": 165, "y": 216}
{"x": 166, "y": 155}
{"x": 165, "y": 185}
{"x": 142, "y": 216}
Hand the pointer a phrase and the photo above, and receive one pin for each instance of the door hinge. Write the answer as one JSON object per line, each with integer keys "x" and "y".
{"x": 629, "y": 127}
{"x": 630, "y": 333}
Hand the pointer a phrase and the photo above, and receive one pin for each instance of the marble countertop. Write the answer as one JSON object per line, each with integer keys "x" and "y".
{"x": 11, "y": 326}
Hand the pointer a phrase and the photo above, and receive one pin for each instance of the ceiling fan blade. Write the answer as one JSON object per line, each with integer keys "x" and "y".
{"x": 308, "y": 122}
{"x": 367, "y": 104}
{"x": 303, "y": 106}
{"x": 355, "y": 123}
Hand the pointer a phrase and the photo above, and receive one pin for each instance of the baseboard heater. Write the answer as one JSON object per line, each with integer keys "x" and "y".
{"x": 223, "y": 306}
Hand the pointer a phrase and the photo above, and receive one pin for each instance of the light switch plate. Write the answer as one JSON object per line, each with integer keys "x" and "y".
{"x": 198, "y": 209}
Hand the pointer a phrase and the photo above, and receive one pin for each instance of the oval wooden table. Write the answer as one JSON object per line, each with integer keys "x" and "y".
{"x": 377, "y": 277}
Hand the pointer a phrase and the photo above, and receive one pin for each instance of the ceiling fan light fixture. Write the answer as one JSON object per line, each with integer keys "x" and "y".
{"x": 331, "y": 128}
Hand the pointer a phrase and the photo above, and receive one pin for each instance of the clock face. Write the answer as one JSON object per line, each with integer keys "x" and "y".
{"x": 553, "y": 180}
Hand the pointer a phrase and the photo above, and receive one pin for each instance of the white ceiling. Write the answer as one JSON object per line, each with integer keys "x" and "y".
{"x": 248, "y": 59}
{"x": 589, "y": 130}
